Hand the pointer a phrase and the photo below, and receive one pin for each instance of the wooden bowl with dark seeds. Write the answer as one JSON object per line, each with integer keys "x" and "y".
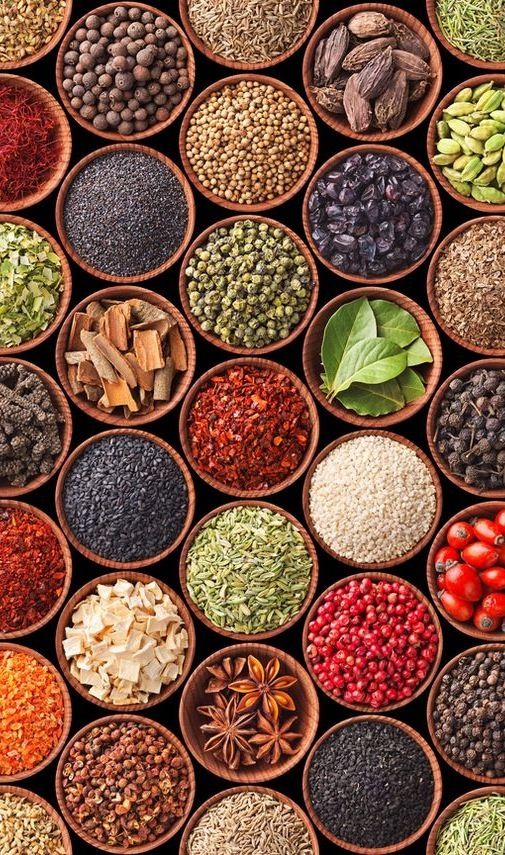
{"x": 35, "y": 799}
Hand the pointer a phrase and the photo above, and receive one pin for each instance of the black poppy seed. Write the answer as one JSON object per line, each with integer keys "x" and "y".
{"x": 125, "y": 213}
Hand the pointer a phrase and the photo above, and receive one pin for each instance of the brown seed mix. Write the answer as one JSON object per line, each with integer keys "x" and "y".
{"x": 25, "y": 27}
{"x": 27, "y": 827}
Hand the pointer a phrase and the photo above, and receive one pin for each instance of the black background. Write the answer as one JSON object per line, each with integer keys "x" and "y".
{"x": 414, "y": 286}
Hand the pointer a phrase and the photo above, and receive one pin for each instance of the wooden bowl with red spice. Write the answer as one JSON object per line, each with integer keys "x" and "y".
{"x": 61, "y": 405}
{"x": 200, "y": 614}
{"x": 215, "y": 339}
{"x": 453, "y": 807}
{"x": 374, "y": 148}
{"x": 375, "y": 577}
{"x": 312, "y": 365}
{"x": 46, "y": 523}
{"x": 66, "y": 716}
{"x": 488, "y": 65}
{"x": 239, "y": 367}
{"x": 303, "y": 697}
{"x": 66, "y": 621}
{"x": 45, "y": 49}
{"x": 35, "y": 799}
{"x": 417, "y": 111}
{"x": 181, "y": 381}
{"x": 79, "y": 830}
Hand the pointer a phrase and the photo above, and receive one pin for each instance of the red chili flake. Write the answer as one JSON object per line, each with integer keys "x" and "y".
{"x": 32, "y": 569}
{"x": 249, "y": 427}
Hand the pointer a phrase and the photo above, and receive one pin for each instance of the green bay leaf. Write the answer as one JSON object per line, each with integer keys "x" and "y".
{"x": 418, "y": 353}
{"x": 394, "y": 323}
{"x": 373, "y": 361}
{"x": 351, "y": 323}
{"x": 411, "y": 384}
{"x": 373, "y": 400}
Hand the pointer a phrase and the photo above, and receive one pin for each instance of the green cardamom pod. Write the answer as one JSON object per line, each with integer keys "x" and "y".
{"x": 493, "y": 125}
{"x": 464, "y": 95}
{"x": 462, "y": 187}
{"x": 462, "y": 161}
{"x": 444, "y": 159}
{"x": 488, "y": 194}
{"x": 459, "y": 127}
{"x": 448, "y": 147}
{"x": 479, "y": 90}
{"x": 498, "y": 115}
{"x": 451, "y": 174}
{"x": 481, "y": 133}
{"x": 461, "y": 142}
{"x": 492, "y": 158}
{"x": 443, "y": 130}
{"x": 490, "y": 101}
{"x": 486, "y": 176}
{"x": 474, "y": 145}
{"x": 455, "y": 111}
{"x": 495, "y": 143}
{"x": 472, "y": 169}
{"x": 500, "y": 174}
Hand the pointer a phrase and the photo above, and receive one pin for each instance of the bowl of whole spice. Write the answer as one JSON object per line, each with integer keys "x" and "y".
{"x": 31, "y": 824}
{"x": 248, "y": 570}
{"x": 372, "y": 214}
{"x": 249, "y": 284}
{"x": 473, "y": 34}
{"x": 35, "y": 569}
{"x": 36, "y": 425}
{"x": 254, "y": 818}
{"x": 466, "y": 143}
{"x": 465, "y": 713}
{"x": 29, "y": 31}
{"x": 152, "y": 789}
{"x": 125, "y": 71}
{"x": 125, "y": 213}
{"x": 125, "y": 355}
{"x": 249, "y": 713}
{"x": 471, "y": 821}
{"x": 125, "y": 499}
{"x": 248, "y": 142}
{"x": 372, "y": 72}
{"x": 372, "y": 785}
{"x": 249, "y": 427}
{"x": 372, "y": 357}
{"x": 35, "y": 712}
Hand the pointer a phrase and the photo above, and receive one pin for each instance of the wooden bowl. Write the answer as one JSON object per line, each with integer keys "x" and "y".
{"x": 469, "y": 202}
{"x": 393, "y": 562}
{"x": 431, "y": 428}
{"x": 62, "y": 407}
{"x": 374, "y": 149}
{"x": 437, "y": 794}
{"x": 217, "y": 797}
{"x": 432, "y": 298}
{"x": 112, "y": 135}
{"x": 451, "y": 809}
{"x": 242, "y": 636}
{"x": 67, "y": 713}
{"x": 251, "y": 362}
{"x": 66, "y": 620}
{"x": 65, "y": 294}
{"x": 462, "y": 770}
{"x": 483, "y": 508}
{"x": 212, "y": 337}
{"x": 376, "y": 577}
{"x": 67, "y": 559}
{"x": 304, "y": 695}
{"x": 38, "y": 800}
{"x": 238, "y": 64}
{"x": 463, "y": 57}
{"x": 47, "y": 48}
{"x": 266, "y": 205}
{"x": 60, "y": 220}
{"x": 312, "y": 356}
{"x": 79, "y": 830}
{"x": 182, "y": 380}
{"x": 63, "y": 139}
{"x": 107, "y": 562}
{"x": 416, "y": 113}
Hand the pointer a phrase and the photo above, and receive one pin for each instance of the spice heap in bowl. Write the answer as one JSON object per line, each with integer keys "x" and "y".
{"x": 474, "y": 820}
{"x": 473, "y": 32}
{"x": 29, "y": 824}
{"x": 29, "y": 30}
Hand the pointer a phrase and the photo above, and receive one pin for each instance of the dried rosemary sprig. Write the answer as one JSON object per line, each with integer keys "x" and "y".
{"x": 476, "y": 27}
{"x": 477, "y": 827}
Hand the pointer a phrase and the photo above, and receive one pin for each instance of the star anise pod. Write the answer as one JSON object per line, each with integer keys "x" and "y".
{"x": 274, "y": 739}
{"x": 224, "y": 673}
{"x": 264, "y": 687}
{"x": 229, "y": 733}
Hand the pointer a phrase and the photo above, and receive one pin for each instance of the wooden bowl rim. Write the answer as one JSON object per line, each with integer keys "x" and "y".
{"x": 66, "y": 428}
{"x": 67, "y": 560}
{"x": 288, "y": 91}
{"x": 458, "y": 767}
{"x": 374, "y": 148}
{"x": 159, "y": 126}
{"x": 212, "y": 337}
{"x": 265, "y": 634}
{"x": 490, "y": 507}
{"x": 420, "y": 596}
{"x": 453, "y": 807}
{"x": 424, "y": 105}
{"x": 254, "y": 362}
{"x": 96, "y": 155}
{"x": 430, "y": 429}
{"x": 30, "y": 796}
{"x": 463, "y": 57}
{"x": 45, "y": 49}
{"x": 393, "y": 562}
{"x": 108, "y": 562}
{"x": 433, "y": 370}
{"x": 252, "y": 788}
{"x": 264, "y": 771}
{"x": 65, "y": 293}
{"x": 161, "y": 408}
{"x": 469, "y": 202}
{"x": 66, "y": 718}
{"x": 109, "y": 579}
{"x": 437, "y": 785}
{"x": 171, "y": 738}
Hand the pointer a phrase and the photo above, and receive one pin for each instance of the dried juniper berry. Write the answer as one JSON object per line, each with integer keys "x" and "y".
{"x": 125, "y": 498}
